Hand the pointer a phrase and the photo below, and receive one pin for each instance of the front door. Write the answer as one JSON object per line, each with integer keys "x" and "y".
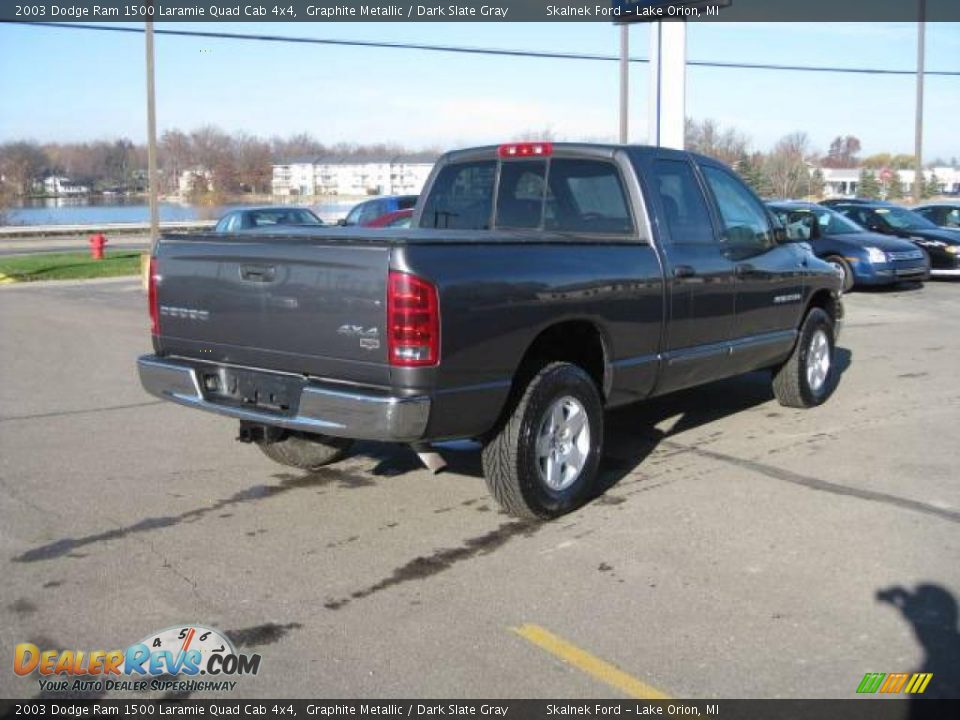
{"x": 769, "y": 275}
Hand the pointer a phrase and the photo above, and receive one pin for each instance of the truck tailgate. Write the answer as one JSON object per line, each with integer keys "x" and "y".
{"x": 303, "y": 305}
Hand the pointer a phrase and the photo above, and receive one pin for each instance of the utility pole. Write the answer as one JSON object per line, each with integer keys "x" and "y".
{"x": 624, "y": 81}
{"x": 152, "y": 140}
{"x": 918, "y": 134}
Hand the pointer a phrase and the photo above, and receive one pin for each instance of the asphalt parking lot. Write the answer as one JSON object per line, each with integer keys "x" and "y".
{"x": 742, "y": 550}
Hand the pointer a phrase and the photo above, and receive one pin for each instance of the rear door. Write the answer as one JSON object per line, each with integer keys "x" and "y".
{"x": 769, "y": 275}
{"x": 699, "y": 276}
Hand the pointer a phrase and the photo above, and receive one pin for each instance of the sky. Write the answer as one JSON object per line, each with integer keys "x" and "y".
{"x": 69, "y": 85}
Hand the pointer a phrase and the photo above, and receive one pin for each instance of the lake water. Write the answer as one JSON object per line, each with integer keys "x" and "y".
{"x": 93, "y": 211}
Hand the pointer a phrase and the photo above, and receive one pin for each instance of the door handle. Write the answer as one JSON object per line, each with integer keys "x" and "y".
{"x": 744, "y": 269}
{"x": 258, "y": 273}
{"x": 684, "y": 271}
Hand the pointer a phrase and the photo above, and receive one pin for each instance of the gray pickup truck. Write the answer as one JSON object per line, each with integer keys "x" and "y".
{"x": 538, "y": 285}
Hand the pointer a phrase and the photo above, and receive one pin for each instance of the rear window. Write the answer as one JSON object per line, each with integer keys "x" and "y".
{"x": 586, "y": 196}
{"x": 461, "y": 198}
{"x": 520, "y": 194}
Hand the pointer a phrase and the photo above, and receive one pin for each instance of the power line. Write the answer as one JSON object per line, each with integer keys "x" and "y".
{"x": 552, "y": 55}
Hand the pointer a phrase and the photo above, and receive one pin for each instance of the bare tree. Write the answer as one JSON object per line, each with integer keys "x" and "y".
{"x": 175, "y": 154}
{"x": 787, "y": 168}
{"x": 254, "y": 171}
{"x": 707, "y": 137}
{"x": 21, "y": 164}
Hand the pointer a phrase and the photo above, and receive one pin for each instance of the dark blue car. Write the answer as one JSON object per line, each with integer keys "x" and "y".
{"x": 864, "y": 258}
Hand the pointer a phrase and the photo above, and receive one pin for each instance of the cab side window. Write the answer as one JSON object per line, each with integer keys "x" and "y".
{"x": 586, "y": 196}
{"x": 746, "y": 225}
{"x": 684, "y": 207}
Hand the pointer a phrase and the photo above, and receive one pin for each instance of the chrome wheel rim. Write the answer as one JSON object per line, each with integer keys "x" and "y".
{"x": 818, "y": 361}
{"x": 563, "y": 443}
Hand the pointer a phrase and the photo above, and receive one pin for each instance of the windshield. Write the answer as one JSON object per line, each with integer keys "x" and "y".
{"x": 283, "y": 216}
{"x": 903, "y": 219}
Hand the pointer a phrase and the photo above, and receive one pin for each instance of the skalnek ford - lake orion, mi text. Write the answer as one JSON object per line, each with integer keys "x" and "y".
{"x": 609, "y": 11}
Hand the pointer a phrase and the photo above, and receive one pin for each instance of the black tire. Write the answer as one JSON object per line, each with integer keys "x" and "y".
{"x": 307, "y": 452}
{"x": 510, "y": 458}
{"x": 844, "y": 267}
{"x": 791, "y": 381}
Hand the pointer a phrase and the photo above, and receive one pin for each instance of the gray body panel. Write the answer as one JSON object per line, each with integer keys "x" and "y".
{"x": 312, "y": 302}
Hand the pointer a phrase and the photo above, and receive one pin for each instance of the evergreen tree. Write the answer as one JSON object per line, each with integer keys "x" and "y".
{"x": 895, "y": 188}
{"x": 868, "y": 187}
{"x": 931, "y": 187}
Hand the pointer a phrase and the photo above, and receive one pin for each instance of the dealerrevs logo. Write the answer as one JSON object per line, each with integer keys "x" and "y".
{"x": 154, "y": 663}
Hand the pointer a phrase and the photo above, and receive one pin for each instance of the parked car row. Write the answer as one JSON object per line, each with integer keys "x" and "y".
{"x": 868, "y": 242}
{"x": 392, "y": 211}
{"x": 872, "y": 242}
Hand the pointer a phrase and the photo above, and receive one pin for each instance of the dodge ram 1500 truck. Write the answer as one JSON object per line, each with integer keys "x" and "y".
{"x": 538, "y": 285}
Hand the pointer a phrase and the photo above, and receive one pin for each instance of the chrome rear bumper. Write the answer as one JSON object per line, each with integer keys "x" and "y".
{"x": 339, "y": 413}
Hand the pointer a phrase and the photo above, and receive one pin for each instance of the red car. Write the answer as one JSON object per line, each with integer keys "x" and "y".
{"x": 395, "y": 219}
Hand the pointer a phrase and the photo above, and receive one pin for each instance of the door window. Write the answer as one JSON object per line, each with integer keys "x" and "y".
{"x": 371, "y": 211}
{"x": 746, "y": 226}
{"x": 353, "y": 217}
{"x": 684, "y": 206}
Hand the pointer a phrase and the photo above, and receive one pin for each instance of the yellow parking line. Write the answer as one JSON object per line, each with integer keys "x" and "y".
{"x": 590, "y": 664}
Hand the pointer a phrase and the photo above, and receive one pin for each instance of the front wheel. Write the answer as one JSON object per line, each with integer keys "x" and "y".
{"x": 543, "y": 461}
{"x": 844, "y": 270}
{"x": 806, "y": 379}
{"x": 305, "y": 451}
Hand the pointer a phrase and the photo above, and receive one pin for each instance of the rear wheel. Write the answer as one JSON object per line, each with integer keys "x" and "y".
{"x": 806, "y": 379}
{"x": 304, "y": 451}
{"x": 844, "y": 269}
{"x": 543, "y": 461}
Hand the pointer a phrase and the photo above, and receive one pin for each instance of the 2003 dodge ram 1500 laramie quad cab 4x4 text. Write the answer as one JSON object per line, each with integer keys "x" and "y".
{"x": 538, "y": 284}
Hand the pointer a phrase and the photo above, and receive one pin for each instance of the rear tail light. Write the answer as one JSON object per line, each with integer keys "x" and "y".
{"x": 413, "y": 321}
{"x": 152, "y": 298}
{"x": 529, "y": 149}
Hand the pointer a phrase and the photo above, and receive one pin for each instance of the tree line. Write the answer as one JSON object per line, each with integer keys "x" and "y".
{"x": 785, "y": 171}
{"x": 231, "y": 163}
{"x": 242, "y": 163}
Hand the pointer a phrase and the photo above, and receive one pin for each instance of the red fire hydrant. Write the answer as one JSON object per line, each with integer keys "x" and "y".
{"x": 97, "y": 243}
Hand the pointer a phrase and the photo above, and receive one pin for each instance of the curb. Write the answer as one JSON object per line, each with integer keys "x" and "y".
{"x": 11, "y": 283}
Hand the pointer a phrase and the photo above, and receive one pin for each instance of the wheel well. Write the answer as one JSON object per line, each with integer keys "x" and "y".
{"x": 576, "y": 341}
{"x": 824, "y": 300}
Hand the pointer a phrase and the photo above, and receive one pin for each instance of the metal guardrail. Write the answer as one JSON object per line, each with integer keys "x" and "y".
{"x": 28, "y": 231}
